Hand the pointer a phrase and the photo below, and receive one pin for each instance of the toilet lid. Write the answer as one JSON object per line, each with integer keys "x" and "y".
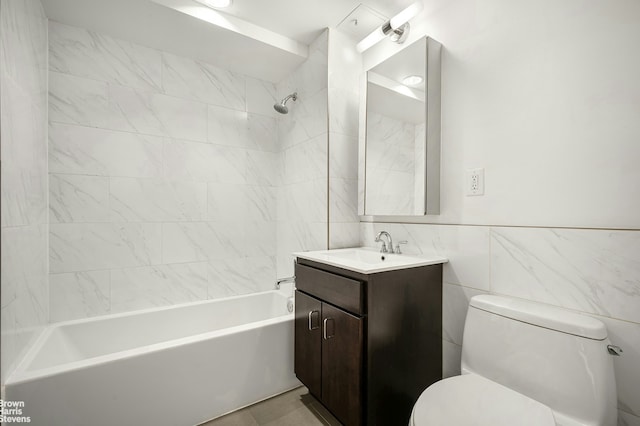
{"x": 473, "y": 400}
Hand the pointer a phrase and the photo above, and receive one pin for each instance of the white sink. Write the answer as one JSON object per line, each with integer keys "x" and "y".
{"x": 368, "y": 260}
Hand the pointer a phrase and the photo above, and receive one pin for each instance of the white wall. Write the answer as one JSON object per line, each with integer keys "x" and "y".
{"x": 163, "y": 174}
{"x": 23, "y": 89}
{"x": 545, "y": 96}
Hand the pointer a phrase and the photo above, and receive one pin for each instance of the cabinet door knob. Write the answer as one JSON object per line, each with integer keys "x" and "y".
{"x": 311, "y": 327}
{"x": 324, "y": 331}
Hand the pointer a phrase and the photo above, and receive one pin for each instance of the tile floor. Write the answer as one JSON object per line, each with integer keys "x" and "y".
{"x": 294, "y": 408}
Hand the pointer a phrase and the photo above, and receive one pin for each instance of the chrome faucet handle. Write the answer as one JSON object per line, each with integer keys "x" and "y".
{"x": 383, "y": 249}
{"x": 398, "y": 246}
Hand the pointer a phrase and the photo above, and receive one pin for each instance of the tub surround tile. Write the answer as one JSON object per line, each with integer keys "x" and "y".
{"x": 304, "y": 121}
{"x": 76, "y": 100}
{"x": 230, "y": 164}
{"x": 79, "y": 295}
{"x": 23, "y": 202}
{"x": 229, "y": 202}
{"x": 190, "y": 79}
{"x": 186, "y": 161}
{"x": 77, "y": 198}
{"x": 152, "y": 113}
{"x": 590, "y": 271}
{"x": 226, "y": 202}
{"x": 263, "y": 168}
{"x": 227, "y": 277}
{"x": 230, "y": 277}
{"x": 26, "y": 40}
{"x": 205, "y": 163}
{"x": 295, "y": 236}
{"x": 24, "y": 274}
{"x": 84, "y": 53}
{"x": 200, "y": 241}
{"x": 304, "y": 201}
{"x": 189, "y": 161}
{"x": 261, "y": 203}
{"x": 241, "y": 129}
{"x": 23, "y": 195}
{"x": 156, "y": 286}
{"x": 261, "y": 238}
{"x": 193, "y": 161}
{"x": 88, "y": 151}
{"x": 155, "y": 200}
{"x": 306, "y": 161}
{"x": 78, "y": 247}
{"x": 20, "y": 105}
{"x": 261, "y": 96}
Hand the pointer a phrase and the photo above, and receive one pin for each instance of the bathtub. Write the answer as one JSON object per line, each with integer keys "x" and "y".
{"x": 181, "y": 365}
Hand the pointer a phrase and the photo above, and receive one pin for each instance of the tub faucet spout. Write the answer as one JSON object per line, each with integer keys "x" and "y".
{"x": 291, "y": 279}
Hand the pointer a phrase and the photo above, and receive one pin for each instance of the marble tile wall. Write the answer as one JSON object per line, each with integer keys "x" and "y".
{"x": 303, "y": 138}
{"x": 164, "y": 175}
{"x": 24, "y": 228}
{"x": 344, "y": 68}
{"x": 595, "y": 272}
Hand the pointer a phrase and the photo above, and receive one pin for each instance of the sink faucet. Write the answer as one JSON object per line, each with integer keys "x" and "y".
{"x": 383, "y": 249}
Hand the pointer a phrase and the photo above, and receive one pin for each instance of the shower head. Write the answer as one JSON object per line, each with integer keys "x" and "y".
{"x": 282, "y": 107}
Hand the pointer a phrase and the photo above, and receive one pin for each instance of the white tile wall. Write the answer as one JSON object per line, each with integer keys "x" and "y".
{"x": 595, "y": 272}
{"x": 23, "y": 97}
{"x": 163, "y": 170}
{"x": 301, "y": 197}
{"x": 84, "y": 53}
{"x": 344, "y": 66}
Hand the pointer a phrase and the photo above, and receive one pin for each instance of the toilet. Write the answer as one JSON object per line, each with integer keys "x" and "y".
{"x": 526, "y": 364}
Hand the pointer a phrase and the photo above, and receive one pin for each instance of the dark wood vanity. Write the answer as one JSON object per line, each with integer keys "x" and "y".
{"x": 367, "y": 345}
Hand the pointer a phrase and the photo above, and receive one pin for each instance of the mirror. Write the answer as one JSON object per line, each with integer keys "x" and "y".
{"x": 401, "y": 169}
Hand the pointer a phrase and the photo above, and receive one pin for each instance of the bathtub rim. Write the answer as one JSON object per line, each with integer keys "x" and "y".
{"x": 22, "y": 375}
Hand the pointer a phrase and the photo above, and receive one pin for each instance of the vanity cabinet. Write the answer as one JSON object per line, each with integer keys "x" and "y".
{"x": 367, "y": 345}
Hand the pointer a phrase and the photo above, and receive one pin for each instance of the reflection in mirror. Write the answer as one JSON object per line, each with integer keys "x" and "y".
{"x": 396, "y": 153}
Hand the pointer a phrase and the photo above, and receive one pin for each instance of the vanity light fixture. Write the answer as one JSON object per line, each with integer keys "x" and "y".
{"x": 396, "y": 28}
{"x": 412, "y": 80}
{"x": 215, "y": 4}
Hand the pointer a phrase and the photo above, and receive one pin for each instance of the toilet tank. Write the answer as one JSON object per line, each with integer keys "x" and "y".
{"x": 554, "y": 356}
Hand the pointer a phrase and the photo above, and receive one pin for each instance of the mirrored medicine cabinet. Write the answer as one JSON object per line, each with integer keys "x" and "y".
{"x": 399, "y": 158}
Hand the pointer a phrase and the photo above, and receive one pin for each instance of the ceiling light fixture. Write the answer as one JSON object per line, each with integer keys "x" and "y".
{"x": 397, "y": 28}
{"x": 412, "y": 80}
{"x": 215, "y": 4}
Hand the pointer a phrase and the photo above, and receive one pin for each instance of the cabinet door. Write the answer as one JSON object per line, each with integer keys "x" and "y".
{"x": 308, "y": 341}
{"x": 342, "y": 335}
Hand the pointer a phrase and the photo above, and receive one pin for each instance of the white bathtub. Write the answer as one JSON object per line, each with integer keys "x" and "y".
{"x": 180, "y": 365}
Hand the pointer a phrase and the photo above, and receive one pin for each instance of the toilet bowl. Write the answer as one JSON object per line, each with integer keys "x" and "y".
{"x": 525, "y": 364}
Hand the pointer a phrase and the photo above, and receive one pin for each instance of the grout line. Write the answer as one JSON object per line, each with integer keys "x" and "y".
{"x": 376, "y": 220}
{"x": 490, "y": 259}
